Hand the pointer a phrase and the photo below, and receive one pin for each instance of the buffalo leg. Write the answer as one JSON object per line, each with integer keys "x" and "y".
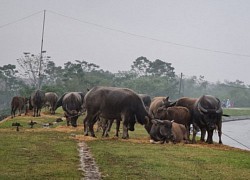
{"x": 125, "y": 128}
{"x": 118, "y": 122}
{"x": 91, "y": 126}
{"x": 203, "y": 133}
{"x": 210, "y": 137}
{"x": 106, "y": 125}
{"x": 195, "y": 130}
{"x": 219, "y": 126}
{"x": 85, "y": 125}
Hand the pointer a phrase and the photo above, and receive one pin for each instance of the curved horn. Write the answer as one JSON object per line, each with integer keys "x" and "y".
{"x": 201, "y": 108}
{"x": 219, "y": 109}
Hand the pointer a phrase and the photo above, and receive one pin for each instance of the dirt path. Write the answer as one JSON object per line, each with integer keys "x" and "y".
{"x": 88, "y": 165}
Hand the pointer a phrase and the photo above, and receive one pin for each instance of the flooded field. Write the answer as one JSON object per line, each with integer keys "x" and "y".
{"x": 235, "y": 134}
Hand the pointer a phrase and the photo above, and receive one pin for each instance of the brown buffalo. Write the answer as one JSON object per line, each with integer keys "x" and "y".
{"x": 114, "y": 103}
{"x": 155, "y": 104}
{"x": 158, "y": 102}
{"x": 19, "y": 103}
{"x": 165, "y": 131}
{"x": 180, "y": 115}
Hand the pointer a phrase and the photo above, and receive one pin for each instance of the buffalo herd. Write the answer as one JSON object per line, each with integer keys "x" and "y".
{"x": 164, "y": 120}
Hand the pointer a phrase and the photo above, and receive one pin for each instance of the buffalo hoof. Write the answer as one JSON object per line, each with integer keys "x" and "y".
{"x": 220, "y": 142}
{"x": 85, "y": 134}
{"x": 125, "y": 137}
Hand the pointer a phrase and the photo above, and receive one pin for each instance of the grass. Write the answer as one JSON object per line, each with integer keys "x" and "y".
{"x": 51, "y": 153}
{"x": 146, "y": 161}
{"x": 37, "y": 155}
{"x": 237, "y": 111}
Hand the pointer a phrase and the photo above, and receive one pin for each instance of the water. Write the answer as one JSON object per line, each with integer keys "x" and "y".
{"x": 234, "y": 131}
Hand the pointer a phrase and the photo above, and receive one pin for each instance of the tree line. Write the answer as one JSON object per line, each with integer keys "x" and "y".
{"x": 155, "y": 78}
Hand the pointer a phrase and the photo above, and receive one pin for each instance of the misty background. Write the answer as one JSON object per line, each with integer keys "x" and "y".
{"x": 208, "y": 38}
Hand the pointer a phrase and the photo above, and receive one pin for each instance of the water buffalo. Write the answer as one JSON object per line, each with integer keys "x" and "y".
{"x": 19, "y": 103}
{"x": 165, "y": 131}
{"x": 72, "y": 104}
{"x": 50, "y": 100}
{"x": 155, "y": 104}
{"x": 146, "y": 99}
{"x": 158, "y": 102}
{"x": 180, "y": 115}
{"x": 208, "y": 117}
{"x": 114, "y": 103}
{"x": 37, "y": 100}
{"x": 106, "y": 124}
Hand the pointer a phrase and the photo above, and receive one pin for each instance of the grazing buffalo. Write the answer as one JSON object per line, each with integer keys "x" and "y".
{"x": 165, "y": 131}
{"x": 50, "y": 101}
{"x": 19, "y": 103}
{"x": 208, "y": 117}
{"x": 114, "y": 103}
{"x": 180, "y": 115}
{"x": 72, "y": 104}
{"x": 37, "y": 100}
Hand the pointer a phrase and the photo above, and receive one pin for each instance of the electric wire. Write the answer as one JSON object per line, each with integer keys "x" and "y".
{"x": 150, "y": 38}
{"x": 18, "y": 20}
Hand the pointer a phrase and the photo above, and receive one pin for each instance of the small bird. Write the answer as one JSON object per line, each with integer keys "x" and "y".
{"x": 17, "y": 125}
{"x": 32, "y": 123}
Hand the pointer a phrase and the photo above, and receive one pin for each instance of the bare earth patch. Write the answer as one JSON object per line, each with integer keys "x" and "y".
{"x": 88, "y": 164}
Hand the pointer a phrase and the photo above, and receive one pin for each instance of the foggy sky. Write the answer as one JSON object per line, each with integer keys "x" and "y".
{"x": 209, "y": 38}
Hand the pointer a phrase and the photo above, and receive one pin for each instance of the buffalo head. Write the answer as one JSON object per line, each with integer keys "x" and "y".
{"x": 161, "y": 130}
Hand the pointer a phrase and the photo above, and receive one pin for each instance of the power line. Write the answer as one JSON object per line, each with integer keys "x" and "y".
{"x": 18, "y": 20}
{"x": 150, "y": 38}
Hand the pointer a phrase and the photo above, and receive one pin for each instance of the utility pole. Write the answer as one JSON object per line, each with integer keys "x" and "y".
{"x": 41, "y": 55}
{"x": 180, "y": 84}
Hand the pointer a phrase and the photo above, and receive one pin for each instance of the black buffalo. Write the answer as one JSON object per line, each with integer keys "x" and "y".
{"x": 146, "y": 99}
{"x": 114, "y": 103}
{"x": 50, "y": 101}
{"x": 37, "y": 100}
{"x": 208, "y": 117}
{"x": 72, "y": 104}
{"x": 19, "y": 103}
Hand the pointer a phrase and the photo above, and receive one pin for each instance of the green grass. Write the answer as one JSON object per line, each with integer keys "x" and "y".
{"x": 237, "y": 111}
{"x": 38, "y": 155}
{"x": 45, "y": 153}
{"x": 127, "y": 160}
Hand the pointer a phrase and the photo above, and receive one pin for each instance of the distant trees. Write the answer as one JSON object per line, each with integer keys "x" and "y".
{"x": 156, "y": 78}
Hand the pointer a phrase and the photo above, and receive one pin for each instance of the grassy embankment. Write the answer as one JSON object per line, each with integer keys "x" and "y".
{"x": 51, "y": 153}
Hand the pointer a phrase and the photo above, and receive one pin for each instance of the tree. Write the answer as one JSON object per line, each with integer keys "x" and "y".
{"x": 140, "y": 66}
{"x": 7, "y": 76}
{"x": 161, "y": 68}
{"x": 32, "y": 68}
